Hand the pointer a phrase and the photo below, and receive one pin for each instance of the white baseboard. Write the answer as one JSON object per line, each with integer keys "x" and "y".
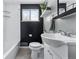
{"x": 23, "y": 46}
{"x": 10, "y": 50}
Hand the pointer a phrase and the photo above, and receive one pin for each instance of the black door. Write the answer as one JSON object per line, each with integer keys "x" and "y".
{"x": 33, "y": 28}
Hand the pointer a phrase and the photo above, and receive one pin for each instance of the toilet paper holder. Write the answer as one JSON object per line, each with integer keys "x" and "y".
{"x": 30, "y": 35}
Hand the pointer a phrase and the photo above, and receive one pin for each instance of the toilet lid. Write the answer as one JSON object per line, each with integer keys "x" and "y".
{"x": 35, "y": 44}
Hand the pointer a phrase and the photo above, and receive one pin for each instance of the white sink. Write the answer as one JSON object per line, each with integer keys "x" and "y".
{"x": 56, "y": 39}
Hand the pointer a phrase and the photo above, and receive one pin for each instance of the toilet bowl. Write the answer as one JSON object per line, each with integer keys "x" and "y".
{"x": 35, "y": 48}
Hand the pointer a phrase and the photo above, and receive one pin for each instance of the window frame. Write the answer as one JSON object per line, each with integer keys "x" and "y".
{"x": 32, "y": 6}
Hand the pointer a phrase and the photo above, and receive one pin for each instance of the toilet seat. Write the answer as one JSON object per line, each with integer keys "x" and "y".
{"x": 35, "y": 45}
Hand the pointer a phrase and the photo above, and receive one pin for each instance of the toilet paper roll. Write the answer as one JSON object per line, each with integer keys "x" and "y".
{"x": 30, "y": 35}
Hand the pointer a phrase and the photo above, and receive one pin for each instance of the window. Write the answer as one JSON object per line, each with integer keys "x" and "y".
{"x": 30, "y": 14}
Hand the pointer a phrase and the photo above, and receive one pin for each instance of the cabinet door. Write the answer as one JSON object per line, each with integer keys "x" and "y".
{"x": 47, "y": 53}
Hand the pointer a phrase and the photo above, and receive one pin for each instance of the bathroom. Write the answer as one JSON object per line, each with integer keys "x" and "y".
{"x": 39, "y": 29}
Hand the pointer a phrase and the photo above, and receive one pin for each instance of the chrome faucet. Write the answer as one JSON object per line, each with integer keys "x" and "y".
{"x": 62, "y": 32}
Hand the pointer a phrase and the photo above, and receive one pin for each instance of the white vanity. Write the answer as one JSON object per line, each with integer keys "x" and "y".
{"x": 58, "y": 46}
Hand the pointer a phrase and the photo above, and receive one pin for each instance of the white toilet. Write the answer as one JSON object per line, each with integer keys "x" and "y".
{"x": 35, "y": 47}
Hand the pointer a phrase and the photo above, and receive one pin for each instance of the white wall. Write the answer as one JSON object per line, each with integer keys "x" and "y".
{"x": 12, "y": 54}
{"x": 66, "y": 24}
{"x": 67, "y": 1}
{"x": 11, "y": 27}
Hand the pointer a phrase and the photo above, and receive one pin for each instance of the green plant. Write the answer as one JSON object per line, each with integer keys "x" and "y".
{"x": 43, "y": 6}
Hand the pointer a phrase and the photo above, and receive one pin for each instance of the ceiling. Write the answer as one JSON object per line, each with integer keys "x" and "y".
{"x": 23, "y": 1}
{"x": 51, "y": 3}
{"x": 29, "y": 1}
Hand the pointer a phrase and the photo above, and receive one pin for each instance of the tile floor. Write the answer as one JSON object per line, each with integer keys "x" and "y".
{"x": 25, "y": 53}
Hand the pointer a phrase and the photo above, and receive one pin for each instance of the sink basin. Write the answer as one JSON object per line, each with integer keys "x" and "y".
{"x": 56, "y": 39}
{"x": 54, "y": 43}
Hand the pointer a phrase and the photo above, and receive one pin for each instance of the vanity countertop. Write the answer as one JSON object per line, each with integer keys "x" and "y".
{"x": 58, "y": 36}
